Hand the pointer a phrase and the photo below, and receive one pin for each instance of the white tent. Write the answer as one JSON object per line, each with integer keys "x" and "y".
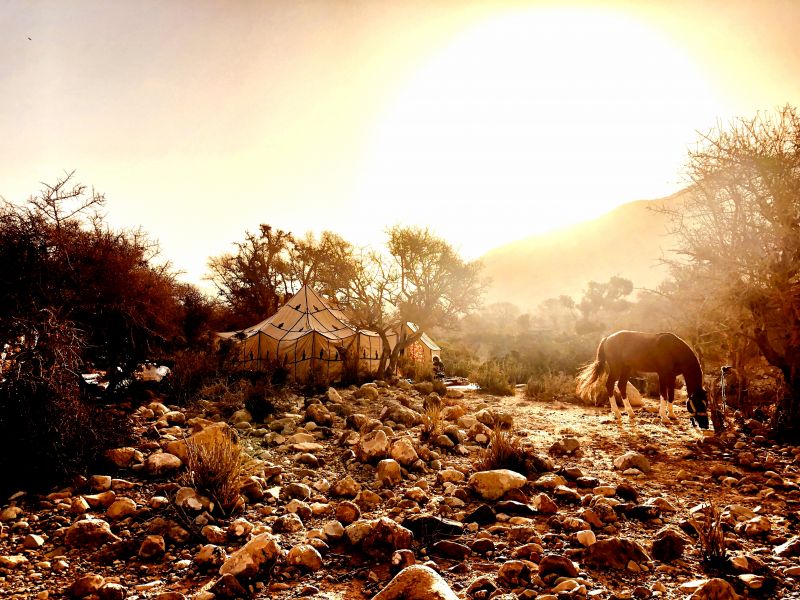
{"x": 422, "y": 351}
{"x": 308, "y": 338}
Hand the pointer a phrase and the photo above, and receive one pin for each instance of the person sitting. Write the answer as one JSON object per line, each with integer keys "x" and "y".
{"x": 438, "y": 368}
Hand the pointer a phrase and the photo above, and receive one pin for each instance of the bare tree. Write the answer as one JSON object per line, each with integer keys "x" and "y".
{"x": 252, "y": 280}
{"x": 371, "y": 296}
{"x": 436, "y": 286}
{"x": 740, "y": 234}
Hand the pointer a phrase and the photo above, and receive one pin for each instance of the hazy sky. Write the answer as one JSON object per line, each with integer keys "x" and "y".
{"x": 487, "y": 121}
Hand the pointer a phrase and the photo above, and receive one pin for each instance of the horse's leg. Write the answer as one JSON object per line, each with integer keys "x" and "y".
{"x": 623, "y": 391}
{"x": 612, "y": 379}
{"x": 671, "y": 398}
{"x": 662, "y": 402}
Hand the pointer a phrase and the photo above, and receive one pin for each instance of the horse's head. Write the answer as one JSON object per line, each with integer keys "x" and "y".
{"x": 698, "y": 411}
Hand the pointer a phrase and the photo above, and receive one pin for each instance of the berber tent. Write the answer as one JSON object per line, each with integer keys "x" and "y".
{"x": 308, "y": 338}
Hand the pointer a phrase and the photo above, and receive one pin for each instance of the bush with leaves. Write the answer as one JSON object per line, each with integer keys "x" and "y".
{"x": 492, "y": 379}
{"x": 550, "y": 386}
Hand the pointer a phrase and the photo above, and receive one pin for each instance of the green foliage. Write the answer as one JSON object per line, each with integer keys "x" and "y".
{"x": 191, "y": 370}
{"x": 58, "y": 259}
{"x": 492, "y": 379}
{"x": 76, "y": 295}
{"x": 414, "y": 370}
{"x": 272, "y": 263}
{"x": 459, "y": 360}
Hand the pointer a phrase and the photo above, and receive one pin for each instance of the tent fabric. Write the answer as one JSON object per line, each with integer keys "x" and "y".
{"x": 422, "y": 351}
{"x": 308, "y": 337}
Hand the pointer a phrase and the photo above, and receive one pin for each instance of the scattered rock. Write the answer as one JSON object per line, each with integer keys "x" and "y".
{"x": 632, "y": 460}
{"x": 416, "y": 582}
{"x": 255, "y": 555}
{"x": 492, "y": 485}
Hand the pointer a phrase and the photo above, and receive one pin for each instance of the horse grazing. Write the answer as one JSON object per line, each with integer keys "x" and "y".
{"x": 624, "y": 352}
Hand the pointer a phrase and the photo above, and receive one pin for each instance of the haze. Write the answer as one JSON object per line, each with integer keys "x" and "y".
{"x": 485, "y": 121}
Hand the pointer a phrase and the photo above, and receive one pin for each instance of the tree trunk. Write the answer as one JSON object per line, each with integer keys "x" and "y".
{"x": 786, "y": 418}
{"x": 402, "y": 344}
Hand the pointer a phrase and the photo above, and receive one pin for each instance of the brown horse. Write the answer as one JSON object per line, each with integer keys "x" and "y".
{"x": 625, "y": 352}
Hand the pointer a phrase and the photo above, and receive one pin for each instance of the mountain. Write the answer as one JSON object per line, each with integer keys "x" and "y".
{"x": 628, "y": 242}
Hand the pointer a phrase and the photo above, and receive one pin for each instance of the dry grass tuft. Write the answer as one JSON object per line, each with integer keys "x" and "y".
{"x": 504, "y": 451}
{"x": 432, "y": 421}
{"x": 711, "y": 537}
{"x": 218, "y": 470}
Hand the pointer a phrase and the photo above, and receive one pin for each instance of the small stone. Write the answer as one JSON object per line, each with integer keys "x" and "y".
{"x": 162, "y": 463}
{"x": 88, "y": 584}
{"x": 121, "y": 508}
{"x": 388, "y": 472}
{"x": 152, "y": 547}
{"x": 305, "y": 556}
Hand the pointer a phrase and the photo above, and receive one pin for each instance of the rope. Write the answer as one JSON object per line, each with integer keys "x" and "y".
{"x": 724, "y": 397}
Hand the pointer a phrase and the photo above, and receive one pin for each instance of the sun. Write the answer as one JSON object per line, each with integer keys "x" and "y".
{"x": 531, "y": 120}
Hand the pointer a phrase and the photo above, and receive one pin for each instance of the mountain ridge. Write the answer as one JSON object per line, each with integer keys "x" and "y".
{"x": 629, "y": 241}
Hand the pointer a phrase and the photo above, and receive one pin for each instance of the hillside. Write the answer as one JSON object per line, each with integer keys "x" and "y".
{"x": 628, "y": 241}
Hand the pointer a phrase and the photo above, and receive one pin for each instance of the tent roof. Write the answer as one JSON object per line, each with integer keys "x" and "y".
{"x": 424, "y": 339}
{"x": 304, "y": 313}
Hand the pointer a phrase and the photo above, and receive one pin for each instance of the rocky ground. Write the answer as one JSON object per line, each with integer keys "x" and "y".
{"x": 346, "y": 495}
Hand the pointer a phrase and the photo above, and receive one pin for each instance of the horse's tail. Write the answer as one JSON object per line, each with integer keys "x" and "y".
{"x": 591, "y": 373}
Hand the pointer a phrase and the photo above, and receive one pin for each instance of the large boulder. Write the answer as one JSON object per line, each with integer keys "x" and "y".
{"x": 304, "y": 556}
{"x": 714, "y": 589}
{"x": 668, "y": 544}
{"x": 492, "y": 485}
{"x": 378, "y": 538}
{"x": 319, "y": 414}
{"x": 416, "y": 582}
{"x": 162, "y": 464}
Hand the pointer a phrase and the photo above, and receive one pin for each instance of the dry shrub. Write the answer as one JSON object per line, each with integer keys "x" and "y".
{"x": 504, "y": 451}
{"x": 439, "y": 387}
{"x": 49, "y": 428}
{"x": 228, "y": 395}
{"x": 710, "y": 537}
{"x": 218, "y": 470}
{"x": 415, "y": 371}
{"x": 190, "y": 372}
{"x": 550, "y": 386}
{"x": 432, "y": 421}
{"x": 492, "y": 379}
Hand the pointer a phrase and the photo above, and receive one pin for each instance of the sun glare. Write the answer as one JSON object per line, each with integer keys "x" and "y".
{"x": 533, "y": 120}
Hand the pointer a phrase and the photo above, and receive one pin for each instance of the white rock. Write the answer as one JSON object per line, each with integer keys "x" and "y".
{"x": 492, "y": 485}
